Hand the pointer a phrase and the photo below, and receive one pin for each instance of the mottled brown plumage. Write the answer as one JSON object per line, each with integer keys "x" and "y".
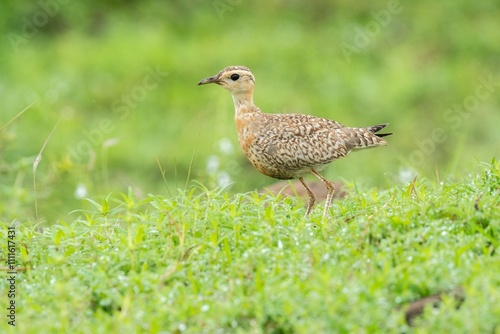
{"x": 288, "y": 146}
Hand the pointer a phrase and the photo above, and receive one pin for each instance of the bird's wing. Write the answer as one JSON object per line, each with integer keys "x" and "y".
{"x": 297, "y": 141}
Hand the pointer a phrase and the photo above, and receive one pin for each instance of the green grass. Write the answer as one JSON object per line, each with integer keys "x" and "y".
{"x": 204, "y": 261}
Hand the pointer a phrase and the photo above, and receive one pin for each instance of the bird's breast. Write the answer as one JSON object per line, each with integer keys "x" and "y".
{"x": 251, "y": 137}
{"x": 246, "y": 132}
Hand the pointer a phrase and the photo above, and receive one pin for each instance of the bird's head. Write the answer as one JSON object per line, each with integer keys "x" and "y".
{"x": 238, "y": 80}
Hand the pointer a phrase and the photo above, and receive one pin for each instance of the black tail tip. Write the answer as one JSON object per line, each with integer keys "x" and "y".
{"x": 377, "y": 128}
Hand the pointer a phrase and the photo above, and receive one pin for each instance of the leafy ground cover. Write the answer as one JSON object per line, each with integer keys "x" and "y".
{"x": 205, "y": 261}
{"x": 111, "y": 106}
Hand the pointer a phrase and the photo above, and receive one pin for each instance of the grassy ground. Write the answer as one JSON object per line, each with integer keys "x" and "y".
{"x": 207, "y": 262}
{"x": 114, "y": 108}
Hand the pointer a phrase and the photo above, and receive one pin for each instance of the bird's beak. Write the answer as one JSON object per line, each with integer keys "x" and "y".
{"x": 214, "y": 79}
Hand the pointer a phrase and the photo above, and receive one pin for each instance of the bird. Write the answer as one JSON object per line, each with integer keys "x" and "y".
{"x": 290, "y": 146}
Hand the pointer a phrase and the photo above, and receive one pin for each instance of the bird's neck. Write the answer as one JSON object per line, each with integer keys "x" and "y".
{"x": 243, "y": 103}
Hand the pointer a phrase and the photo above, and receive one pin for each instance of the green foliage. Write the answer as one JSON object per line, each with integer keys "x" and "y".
{"x": 120, "y": 78}
{"x": 204, "y": 261}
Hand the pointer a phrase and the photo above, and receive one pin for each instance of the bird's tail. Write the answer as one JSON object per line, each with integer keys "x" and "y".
{"x": 367, "y": 137}
{"x": 377, "y": 128}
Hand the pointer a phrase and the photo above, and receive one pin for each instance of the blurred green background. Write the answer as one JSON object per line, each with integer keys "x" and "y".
{"x": 119, "y": 80}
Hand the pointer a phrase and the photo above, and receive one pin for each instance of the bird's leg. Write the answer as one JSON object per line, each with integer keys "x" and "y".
{"x": 312, "y": 197}
{"x": 330, "y": 190}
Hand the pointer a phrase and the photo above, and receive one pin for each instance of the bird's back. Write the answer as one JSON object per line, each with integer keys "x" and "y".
{"x": 285, "y": 146}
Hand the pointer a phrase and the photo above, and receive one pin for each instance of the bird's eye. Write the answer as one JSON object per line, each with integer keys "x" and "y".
{"x": 235, "y": 76}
